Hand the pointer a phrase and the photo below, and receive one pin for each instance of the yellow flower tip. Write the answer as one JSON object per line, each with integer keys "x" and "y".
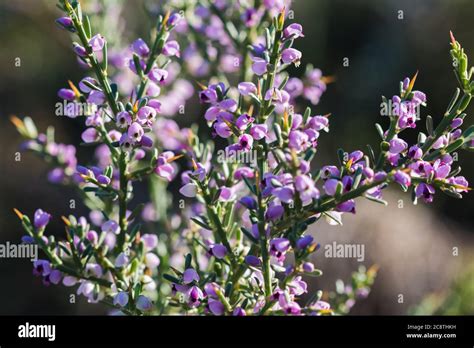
{"x": 68, "y": 5}
{"x": 259, "y": 89}
{"x": 373, "y": 269}
{"x": 327, "y": 115}
{"x": 250, "y": 110}
{"x": 453, "y": 39}
{"x": 18, "y": 213}
{"x": 17, "y": 122}
{"x": 202, "y": 86}
{"x": 328, "y": 79}
{"x": 312, "y": 247}
{"x": 349, "y": 163}
{"x": 281, "y": 17}
{"x": 174, "y": 158}
{"x": 195, "y": 167}
{"x": 74, "y": 88}
{"x": 66, "y": 221}
{"x": 167, "y": 17}
{"x": 285, "y": 118}
{"x": 412, "y": 81}
{"x": 135, "y": 107}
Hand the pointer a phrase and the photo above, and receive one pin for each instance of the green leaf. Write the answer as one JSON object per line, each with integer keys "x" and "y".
{"x": 201, "y": 223}
{"x": 429, "y": 125}
{"x": 248, "y": 234}
{"x": 188, "y": 260}
{"x": 306, "y": 114}
{"x": 380, "y": 130}
{"x": 134, "y": 231}
{"x": 136, "y": 212}
{"x": 171, "y": 278}
{"x": 377, "y": 200}
{"x": 468, "y": 134}
{"x": 105, "y": 58}
{"x": 87, "y": 27}
{"x": 30, "y": 127}
{"x": 454, "y": 145}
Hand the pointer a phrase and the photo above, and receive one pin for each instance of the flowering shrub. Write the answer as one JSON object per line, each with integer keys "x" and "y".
{"x": 238, "y": 244}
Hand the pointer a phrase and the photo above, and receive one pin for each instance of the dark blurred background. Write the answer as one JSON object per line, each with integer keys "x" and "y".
{"x": 413, "y": 246}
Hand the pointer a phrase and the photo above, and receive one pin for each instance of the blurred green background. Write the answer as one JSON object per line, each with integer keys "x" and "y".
{"x": 382, "y": 49}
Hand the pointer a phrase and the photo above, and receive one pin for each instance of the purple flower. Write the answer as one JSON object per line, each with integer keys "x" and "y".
{"x": 110, "y": 226}
{"x": 246, "y": 88}
{"x": 274, "y": 212}
{"x": 96, "y": 97}
{"x": 259, "y": 131}
{"x": 143, "y": 303}
{"x": 65, "y": 23}
{"x": 174, "y": 19}
{"x": 150, "y": 241}
{"x": 274, "y": 94}
{"x": 126, "y": 142}
{"x": 121, "y": 260}
{"x": 259, "y": 66}
{"x": 218, "y": 250}
{"x": 97, "y": 42}
{"x": 216, "y": 307}
{"x": 291, "y": 55}
{"x": 135, "y": 132}
{"x": 253, "y": 260}
{"x": 194, "y": 296}
{"x": 121, "y": 299}
{"x": 397, "y": 145}
{"x": 90, "y": 135}
{"x": 222, "y": 129}
{"x": 284, "y": 193}
{"x": 425, "y": 191}
{"x": 293, "y": 31}
{"x": 298, "y": 140}
{"x": 279, "y": 246}
{"x": 304, "y": 241}
{"x": 402, "y": 178}
{"x": 79, "y": 50}
{"x": 457, "y": 122}
{"x": 165, "y": 169}
{"x": 146, "y": 115}
{"x": 245, "y": 142}
{"x": 66, "y": 93}
{"x": 243, "y": 172}
{"x": 124, "y": 119}
{"x": 158, "y": 75}
{"x": 306, "y": 188}
{"x": 190, "y": 275}
{"x": 239, "y": 312}
{"x": 140, "y": 47}
{"x": 41, "y": 218}
{"x": 171, "y": 48}
{"x": 460, "y": 182}
{"x": 248, "y": 202}
{"x": 243, "y": 121}
{"x": 83, "y": 87}
{"x": 308, "y": 267}
{"x": 189, "y": 190}
{"x": 330, "y": 186}
{"x": 415, "y": 152}
{"x": 347, "y": 206}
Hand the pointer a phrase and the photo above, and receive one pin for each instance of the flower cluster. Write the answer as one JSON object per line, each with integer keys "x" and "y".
{"x": 238, "y": 243}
